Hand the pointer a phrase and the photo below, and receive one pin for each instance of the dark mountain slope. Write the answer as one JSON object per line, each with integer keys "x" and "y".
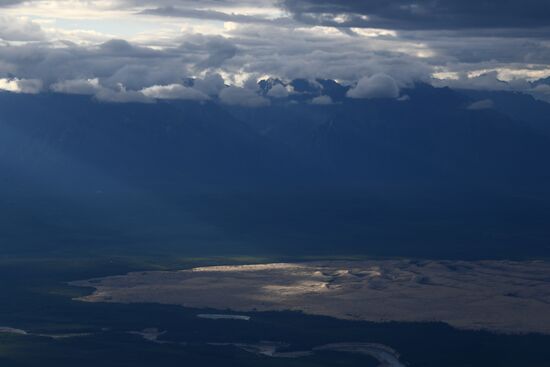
{"x": 75, "y": 139}
{"x": 425, "y": 176}
{"x": 432, "y": 137}
{"x": 517, "y": 106}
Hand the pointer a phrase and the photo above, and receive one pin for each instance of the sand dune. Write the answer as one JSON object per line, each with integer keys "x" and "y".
{"x": 504, "y": 296}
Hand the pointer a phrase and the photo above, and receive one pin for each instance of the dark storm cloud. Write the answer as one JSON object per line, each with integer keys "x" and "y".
{"x": 422, "y": 14}
{"x": 488, "y": 32}
{"x": 468, "y": 47}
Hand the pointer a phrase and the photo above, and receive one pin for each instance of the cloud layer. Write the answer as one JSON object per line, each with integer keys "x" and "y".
{"x": 144, "y": 49}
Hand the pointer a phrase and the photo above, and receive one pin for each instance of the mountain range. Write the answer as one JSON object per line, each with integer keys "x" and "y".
{"x": 420, "y": 162}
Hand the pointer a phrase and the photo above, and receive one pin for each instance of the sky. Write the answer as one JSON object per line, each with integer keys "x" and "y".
{"x": 134, "y": 50}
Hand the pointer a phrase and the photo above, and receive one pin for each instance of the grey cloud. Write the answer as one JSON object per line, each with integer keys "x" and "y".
{"x": 15, "y": 29}
{"x": 206, "y": 52}
{"x": 220, "y": 50}
{"x": 211, "y": 84}
{"x": 119, "y": 47}
{"x": 30, "y": 85}
{"x": 375, "y": 86}
{"x": 483, "y": 48}
{"x": 112, "y": 63}
{"x": 137, "y": 76}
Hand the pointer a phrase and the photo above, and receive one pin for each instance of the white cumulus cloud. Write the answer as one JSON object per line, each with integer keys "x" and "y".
{"x": 29, "y": 86}
{"x": 278, "y": 91}
{"x": 376, "y": 86}
{"x": 174, "y": 91}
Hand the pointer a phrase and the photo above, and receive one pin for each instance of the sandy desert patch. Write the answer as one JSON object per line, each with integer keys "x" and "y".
{"x": 503, "y": 296}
